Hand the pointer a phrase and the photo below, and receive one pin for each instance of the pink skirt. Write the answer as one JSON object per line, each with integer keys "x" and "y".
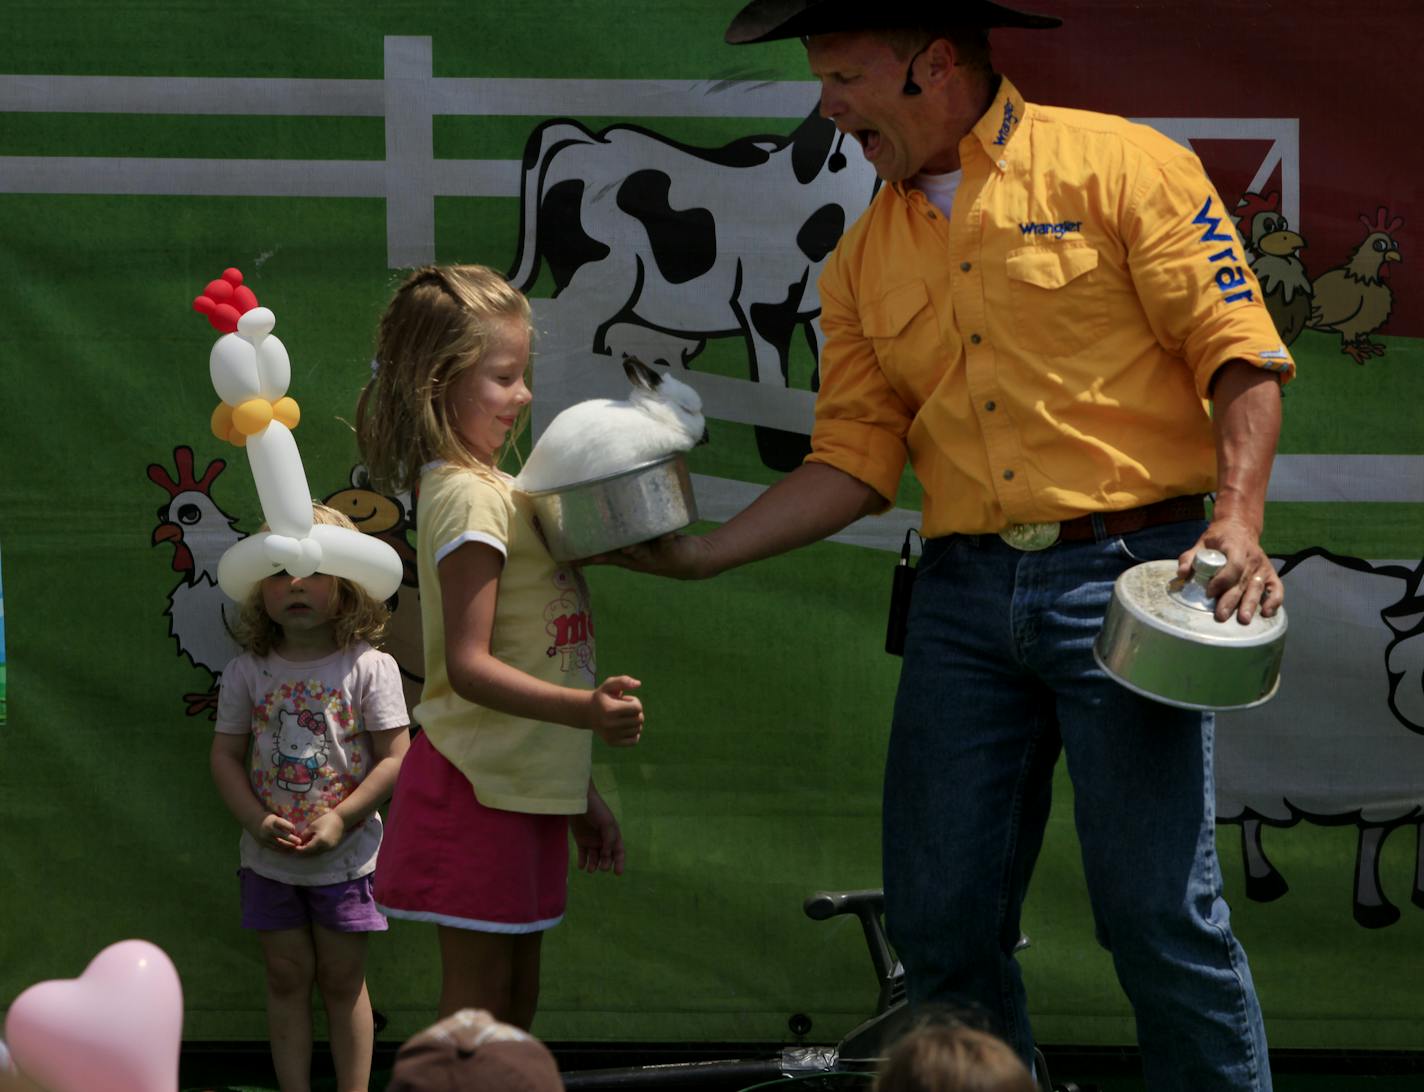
{"x": 448, "y": 859}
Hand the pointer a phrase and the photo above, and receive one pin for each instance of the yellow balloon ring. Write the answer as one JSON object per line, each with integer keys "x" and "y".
{"x": 223, "y": 427}
{"x": 287, "y": 411}
{"x": 252, "y": 416}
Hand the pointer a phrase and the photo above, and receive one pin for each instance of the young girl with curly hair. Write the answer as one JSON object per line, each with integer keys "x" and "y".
{"x": 310, "y": 733}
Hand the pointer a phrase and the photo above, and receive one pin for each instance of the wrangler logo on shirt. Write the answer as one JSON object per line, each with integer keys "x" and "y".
{"x": 1058, "y": 230}
{"x": 1009, "y": 120}
{"x": 1229, "y": 278}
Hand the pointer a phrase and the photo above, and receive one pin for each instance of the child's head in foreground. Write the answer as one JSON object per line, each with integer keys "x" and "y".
{"x": 452, "y": 347}
{"x": 353, "y": 614}
{"x": 944, "y": 1054}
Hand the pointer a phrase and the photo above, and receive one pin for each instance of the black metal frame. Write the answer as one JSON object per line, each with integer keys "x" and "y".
{"x": 858, "y": 1052}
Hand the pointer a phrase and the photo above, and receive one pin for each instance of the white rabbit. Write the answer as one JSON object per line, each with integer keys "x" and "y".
{"x": 600, "y": 437}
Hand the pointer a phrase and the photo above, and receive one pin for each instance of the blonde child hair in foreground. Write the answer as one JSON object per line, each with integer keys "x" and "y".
{"x": 308, "y": 740}
{"x": 500, "y": 773}
{"x": 942, "y": 1054}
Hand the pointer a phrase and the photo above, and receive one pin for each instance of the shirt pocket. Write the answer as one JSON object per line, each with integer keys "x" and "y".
{"x": 1057, "y": 296}
{"x": 901, "y": 325}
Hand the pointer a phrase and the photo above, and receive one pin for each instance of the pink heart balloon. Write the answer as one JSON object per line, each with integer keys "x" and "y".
{"x": 117, "y": 1027}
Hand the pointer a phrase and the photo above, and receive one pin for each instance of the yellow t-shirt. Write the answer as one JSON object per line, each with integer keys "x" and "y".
{"x": 542, "y": 626}
{"x": 1048, "y": 351}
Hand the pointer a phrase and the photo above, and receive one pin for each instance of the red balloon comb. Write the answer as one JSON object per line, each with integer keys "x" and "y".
{"x": 225, "y": 300}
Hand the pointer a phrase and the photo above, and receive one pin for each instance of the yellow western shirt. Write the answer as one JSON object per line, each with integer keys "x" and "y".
{"x": 1049, "y": 350}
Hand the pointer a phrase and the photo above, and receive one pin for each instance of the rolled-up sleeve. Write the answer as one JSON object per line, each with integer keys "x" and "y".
{"x": 1193, "y": 275}
{"x": 861, "y": 422}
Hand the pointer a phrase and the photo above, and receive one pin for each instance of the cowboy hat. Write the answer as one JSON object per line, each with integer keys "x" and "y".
{"x": 769, "y": 20}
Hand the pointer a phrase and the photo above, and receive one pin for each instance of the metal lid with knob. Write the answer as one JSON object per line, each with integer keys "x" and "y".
{"x": 1192, "y": 593}
{"x": 1161, "y": 639}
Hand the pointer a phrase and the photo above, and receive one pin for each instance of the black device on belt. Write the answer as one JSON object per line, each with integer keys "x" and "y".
{"x": 901, "y": 585}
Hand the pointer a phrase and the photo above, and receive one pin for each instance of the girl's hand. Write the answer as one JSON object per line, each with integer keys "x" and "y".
{"x": 599, "y": 841}
{"x": 324, "y": 833}
{"x": 616, "y": 718}
{"x": 274, "y": 832}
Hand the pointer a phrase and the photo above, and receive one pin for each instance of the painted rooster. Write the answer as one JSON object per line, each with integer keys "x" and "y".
{"x": 1354, "y": 300}
{"x": 200, "y": 616}
{"x": 1272, "y": 246}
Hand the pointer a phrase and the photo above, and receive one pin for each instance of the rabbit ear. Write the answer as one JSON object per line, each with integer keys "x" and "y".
{"x": 640, "y": 375}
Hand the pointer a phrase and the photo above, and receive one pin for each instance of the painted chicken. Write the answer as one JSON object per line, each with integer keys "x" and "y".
{"x": 1354, "y": 300}
{"x": 200, "y": 616}
{"x": 1272, "y": 246}
{"x": 391, "y": 519}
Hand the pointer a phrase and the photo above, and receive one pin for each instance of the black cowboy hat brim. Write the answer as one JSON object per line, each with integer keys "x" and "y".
{"x": 770, "y": 20}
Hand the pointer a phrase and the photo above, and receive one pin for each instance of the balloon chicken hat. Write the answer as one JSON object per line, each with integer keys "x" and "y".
{"x": 251, "y": 371}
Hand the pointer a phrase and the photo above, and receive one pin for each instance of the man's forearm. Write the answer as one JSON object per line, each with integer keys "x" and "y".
{"x": 1247, "y": 422}
{"x": 813, "y": 502}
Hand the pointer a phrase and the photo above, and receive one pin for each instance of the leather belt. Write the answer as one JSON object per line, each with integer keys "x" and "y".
{"x": 1039, "y": 536}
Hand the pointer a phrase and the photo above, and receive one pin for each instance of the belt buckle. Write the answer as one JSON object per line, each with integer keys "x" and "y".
{"x": 1030, "y": 537}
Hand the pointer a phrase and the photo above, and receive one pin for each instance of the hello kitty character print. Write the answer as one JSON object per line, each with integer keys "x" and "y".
{"x": 310, "y": 724}
{"x": 301, "y": 748}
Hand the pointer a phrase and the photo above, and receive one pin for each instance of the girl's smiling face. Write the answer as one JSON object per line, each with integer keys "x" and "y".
{"x": 485, "y": 400}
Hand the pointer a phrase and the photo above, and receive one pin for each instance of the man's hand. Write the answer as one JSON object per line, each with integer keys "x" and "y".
{"x": 1247, "y": 581}
{"x": 813, "y": 502}
{"x": 681, "y": 557}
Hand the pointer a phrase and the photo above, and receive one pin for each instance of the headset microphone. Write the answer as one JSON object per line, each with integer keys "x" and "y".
{"x": 911, "y": 87}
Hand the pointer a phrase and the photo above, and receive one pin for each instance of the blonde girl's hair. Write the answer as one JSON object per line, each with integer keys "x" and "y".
{"x": 358, "y": 615}
{"x": 942, "y": 1054}
{"x": 435, "y": 328}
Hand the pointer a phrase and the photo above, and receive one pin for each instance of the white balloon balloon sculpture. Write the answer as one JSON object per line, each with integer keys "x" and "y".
{"x": 250, "y": 370}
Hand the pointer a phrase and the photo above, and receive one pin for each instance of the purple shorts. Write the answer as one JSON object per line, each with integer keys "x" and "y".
{"x": 345, "y": 907}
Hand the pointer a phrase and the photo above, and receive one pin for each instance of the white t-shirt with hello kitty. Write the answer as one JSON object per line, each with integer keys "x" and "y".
{"x": 310, "y": 725}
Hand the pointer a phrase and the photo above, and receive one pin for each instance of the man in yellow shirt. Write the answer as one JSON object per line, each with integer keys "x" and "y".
{"x": 1049, "y": 313}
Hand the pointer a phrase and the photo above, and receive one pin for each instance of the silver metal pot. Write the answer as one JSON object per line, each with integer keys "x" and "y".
{"x": 602, "y": 514}
{"x": 1161, "y": 640}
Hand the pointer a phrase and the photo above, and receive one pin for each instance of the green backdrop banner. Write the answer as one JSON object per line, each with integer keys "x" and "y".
{"x": 659, "y": 192}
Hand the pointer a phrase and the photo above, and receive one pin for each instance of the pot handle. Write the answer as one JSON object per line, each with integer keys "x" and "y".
{"x": 1192, "y": 593}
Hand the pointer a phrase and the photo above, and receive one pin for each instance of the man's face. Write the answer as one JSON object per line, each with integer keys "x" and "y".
{"x": 863, "y": 92}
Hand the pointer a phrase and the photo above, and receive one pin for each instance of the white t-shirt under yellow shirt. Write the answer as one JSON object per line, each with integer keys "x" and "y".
{"x": 542, "y": 626}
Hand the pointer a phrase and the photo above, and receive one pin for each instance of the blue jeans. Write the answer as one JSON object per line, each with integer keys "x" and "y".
{"x": 998, "y": 678}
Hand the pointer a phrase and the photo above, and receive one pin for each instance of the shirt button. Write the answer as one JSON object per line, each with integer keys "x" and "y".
{"x": 1008, "y": 475}
{"x": 991, "y": 405}
{"x": 964, "y": 267}
{"x": 975, "y": 338}
{"x": 1003, "y": 164}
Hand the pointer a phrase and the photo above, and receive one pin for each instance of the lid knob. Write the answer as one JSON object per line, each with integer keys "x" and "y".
{"x": 1206, "y": 563}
